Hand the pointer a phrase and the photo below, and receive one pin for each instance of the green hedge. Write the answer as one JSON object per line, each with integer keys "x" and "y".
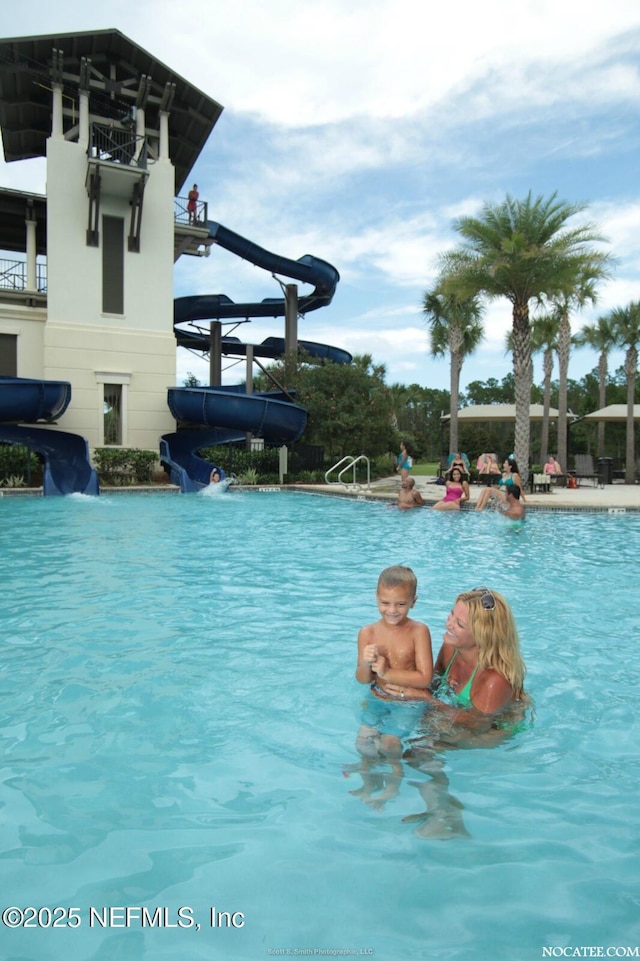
{"x": 118, "y": 467}
{"x": 237, "y": 460}
{"x": 17, "y": 461}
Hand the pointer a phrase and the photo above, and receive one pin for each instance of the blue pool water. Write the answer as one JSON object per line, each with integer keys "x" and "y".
{"x": 178, "y": 714}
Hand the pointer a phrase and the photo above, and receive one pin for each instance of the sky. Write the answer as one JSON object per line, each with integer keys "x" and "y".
{"x": 358, "y": 131}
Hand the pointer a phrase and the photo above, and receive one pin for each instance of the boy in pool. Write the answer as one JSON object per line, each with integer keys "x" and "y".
{"x": 394, "y": 650}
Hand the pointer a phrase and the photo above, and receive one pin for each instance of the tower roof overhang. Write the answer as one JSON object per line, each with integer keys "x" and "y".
{"x": 117, "y": 73}
{"x": 17, "y": 206}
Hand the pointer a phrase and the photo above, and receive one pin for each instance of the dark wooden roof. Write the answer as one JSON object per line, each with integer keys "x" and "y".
{"x": 15, "y": 207}
{"x": 28, "y": 66}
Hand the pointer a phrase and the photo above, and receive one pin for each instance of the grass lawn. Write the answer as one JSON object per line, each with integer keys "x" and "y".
{"x": 426, "y": 469}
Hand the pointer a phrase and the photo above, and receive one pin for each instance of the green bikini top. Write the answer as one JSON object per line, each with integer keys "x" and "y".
{"x": 460, "y": 698}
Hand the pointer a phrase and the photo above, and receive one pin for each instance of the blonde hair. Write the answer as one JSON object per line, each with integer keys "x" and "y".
{"x": 496, "y": 635}
{"x": 399, "y": 576}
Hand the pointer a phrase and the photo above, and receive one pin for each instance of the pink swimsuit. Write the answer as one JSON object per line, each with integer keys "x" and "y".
{"x": 453, "y": 494}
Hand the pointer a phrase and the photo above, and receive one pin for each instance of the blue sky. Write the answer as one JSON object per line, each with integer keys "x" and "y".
{"x": 356, "y": 132}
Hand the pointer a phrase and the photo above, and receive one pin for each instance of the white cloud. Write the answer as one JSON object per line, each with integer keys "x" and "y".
{"x": 352, "y": 134}
{"x": 305, "y": 63}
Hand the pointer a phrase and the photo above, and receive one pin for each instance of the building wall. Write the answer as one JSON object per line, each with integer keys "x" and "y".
{"x": 27, "y": 324}
{"x": 83, "y": 344}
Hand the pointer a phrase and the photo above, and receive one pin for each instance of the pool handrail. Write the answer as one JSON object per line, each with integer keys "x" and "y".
{"x": 352, "y": 461}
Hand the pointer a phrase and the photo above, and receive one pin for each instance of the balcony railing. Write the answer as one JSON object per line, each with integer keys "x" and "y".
{"x": 193, "y": 218}
{"x": 116, "y": 145}
{"x": 13, "y": 276}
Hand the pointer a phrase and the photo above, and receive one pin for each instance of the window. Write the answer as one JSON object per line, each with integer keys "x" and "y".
{"x": 8, "y": 355}
{"x": 112, "y": 413}
{"x": 112, "y": 265}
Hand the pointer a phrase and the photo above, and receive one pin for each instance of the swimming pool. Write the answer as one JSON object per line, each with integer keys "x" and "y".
{"x": 178, "y": 719}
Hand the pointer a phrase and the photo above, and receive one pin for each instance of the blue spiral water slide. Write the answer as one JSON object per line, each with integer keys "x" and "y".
{"x": 227, "y": 410}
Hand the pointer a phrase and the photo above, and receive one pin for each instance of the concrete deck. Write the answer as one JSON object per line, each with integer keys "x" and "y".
{"x": 618, "y": 497}
{"x": 611, "y": 497}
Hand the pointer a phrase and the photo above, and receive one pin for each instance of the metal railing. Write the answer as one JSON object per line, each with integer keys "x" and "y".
{"x": 182, "y": 214}
{"x": 117, "y": 145}
{"x": 350, "y": 463}
{"x": 13, "y": 276}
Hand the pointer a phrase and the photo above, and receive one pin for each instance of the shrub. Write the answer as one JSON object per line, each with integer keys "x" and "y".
{"x": 118, "y": 467}
{"x": 250, "y": 476}
{"x": 17, "y": 461}
{"x": 237, "y": 460}
{"x": 14, "y": 480}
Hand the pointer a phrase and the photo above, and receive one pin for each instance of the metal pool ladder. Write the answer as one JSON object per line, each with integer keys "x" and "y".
{"x": 349, "y": 464}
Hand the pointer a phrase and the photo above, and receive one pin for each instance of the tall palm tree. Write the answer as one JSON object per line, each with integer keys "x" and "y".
{"x": 584, "y": 292}
{"x": 523, "y": 250}
{"x": 626, "y": 324}
{"x": 601, "y": 337}
{"x": 544, "y": 337}
{"x": 455, "y": 326}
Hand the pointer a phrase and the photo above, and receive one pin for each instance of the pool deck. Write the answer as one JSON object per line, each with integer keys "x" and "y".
{"x": 587, "y": 497}
{"x": 613, "y": 498}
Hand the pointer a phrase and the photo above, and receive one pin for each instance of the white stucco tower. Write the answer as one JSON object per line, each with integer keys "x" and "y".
{"x": 120, "y": 132}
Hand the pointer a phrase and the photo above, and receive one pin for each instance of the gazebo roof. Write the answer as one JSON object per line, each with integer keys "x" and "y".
{"x": 117, "y": 66}
{"x": 613, "y": 412}
{"x": 502, "y": 412}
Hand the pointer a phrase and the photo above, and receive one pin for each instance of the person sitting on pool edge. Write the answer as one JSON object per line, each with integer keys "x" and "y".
{"x": 394, "y": 650}
{"x": 457, "y": 491}
{"x": 408, "y": 496}
{"x": 510, "y": 476}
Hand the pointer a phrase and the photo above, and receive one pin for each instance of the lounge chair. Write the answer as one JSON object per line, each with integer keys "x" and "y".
{"x": 541, "y": 482}
{"x": 584, "y": 469}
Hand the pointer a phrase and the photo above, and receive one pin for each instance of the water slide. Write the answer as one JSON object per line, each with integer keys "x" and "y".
{"x": 271, "y": 415}
{"x": 308, "y": 270}
{"x": 231, "y": 414}
{"x": 67, "y": 469}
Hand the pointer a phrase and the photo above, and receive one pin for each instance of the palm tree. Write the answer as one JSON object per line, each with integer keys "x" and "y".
{"x": 626, "y": 325}
{"x": 601, "y": 337}
{"x": 584, "y": 292}
{"x": 544, "y": 337}
{"x": 523, "y": 250}
{"x": 455, "y": 326}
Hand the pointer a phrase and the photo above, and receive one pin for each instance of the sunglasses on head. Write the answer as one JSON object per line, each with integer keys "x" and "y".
{"x": 487, "y": 599}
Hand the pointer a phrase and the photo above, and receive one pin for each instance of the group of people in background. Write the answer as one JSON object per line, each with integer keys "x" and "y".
{"x": 507, "y": 494}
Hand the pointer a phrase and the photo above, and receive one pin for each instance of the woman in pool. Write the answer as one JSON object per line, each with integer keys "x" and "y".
{"x": 510, "y": 475}
{"x": 456, "y": 493}
{"x": 476, "y": 700}
{"x": 479, "y": 672}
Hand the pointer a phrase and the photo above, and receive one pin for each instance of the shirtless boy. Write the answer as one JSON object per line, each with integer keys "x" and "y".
{"x": 394, "y": 650}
